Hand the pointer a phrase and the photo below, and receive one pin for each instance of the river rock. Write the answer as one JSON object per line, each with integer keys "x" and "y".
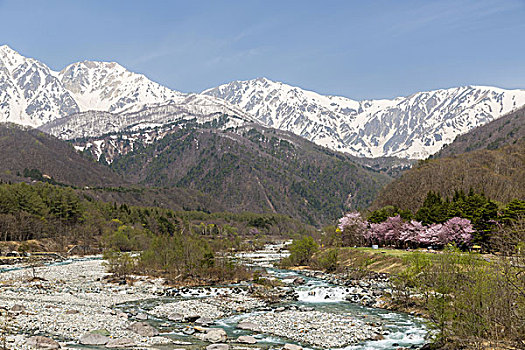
{"x": 191, "y": 317}
{"x": 298, "y": 281}
{"x": 292, "y": 347}
{"x": 120, "y": 343}
{"x": 142, "y": 316}
{"x": 176, "y": 317}
{"x": 93, "y": 339}
{"x": 249, "y": 326}
{"x": 18, "y": 308}
{"x": 201, "y": 329}
{"x": 39, "y": 342}
{"x": 102, "y": 331}
{"x": 218, "y": 347}
{"x": 72, "y": 312}
{"x": 188, "y": 330}
{"x": 143, "y": 329}
{"x": 247, "y": 339}
{"x": 215, "y": 335}
{"x": 204, "y": 321}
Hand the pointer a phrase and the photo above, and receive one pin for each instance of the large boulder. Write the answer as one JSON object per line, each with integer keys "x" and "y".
{"x": 143, "y": 329}
{"x": 292, "y": 347}
{"x": 204, "y": 321}
{"x": 93, "y": 339}
{"x": 71, "y": 312}
{"x": 247, "y": 339}
{"x": 298, "y": 281}
{"x": 120, "y": 343}
{"x": 188, "y": 330}
{"x": 18, "y": 308}
{"x": 249, "y": 326}
{"x": 142, "y": 316}
{"x": 215, "y": 335}
{"x": 101, "y": 331}
{"x": 176, "y": 317}
{"x": 191, "y": 317}
{"x": 39, "y": 342}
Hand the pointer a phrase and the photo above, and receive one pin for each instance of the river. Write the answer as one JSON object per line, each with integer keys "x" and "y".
{"x": 72, "y": 300}
{"x": 399, "y": 330}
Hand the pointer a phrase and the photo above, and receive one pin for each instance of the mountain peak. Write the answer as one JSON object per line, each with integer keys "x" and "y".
{"x": 263, "y": 80}
{"x": 7, "y": 49}
{"x": 96, "y": 65}
{"x": 11, "y": 58}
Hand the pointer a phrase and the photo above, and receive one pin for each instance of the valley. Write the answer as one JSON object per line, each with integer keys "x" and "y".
{"x": 256, "y": 215}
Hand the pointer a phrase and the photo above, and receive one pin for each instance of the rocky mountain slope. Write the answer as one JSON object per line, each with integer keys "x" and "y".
{"x": 254, "y": 168}
{"x": 506, "y": 130}
{"x": 409, "y": 127}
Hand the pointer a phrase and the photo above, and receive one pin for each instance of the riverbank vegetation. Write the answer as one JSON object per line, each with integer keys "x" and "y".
{"x": 179, "y": 245}
{"x": 459, "y": 261}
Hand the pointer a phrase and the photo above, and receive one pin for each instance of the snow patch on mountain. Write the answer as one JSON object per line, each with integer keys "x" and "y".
{"x": 193, "y": 109}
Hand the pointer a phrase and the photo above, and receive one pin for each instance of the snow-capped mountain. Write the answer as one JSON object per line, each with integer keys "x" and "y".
{"x": 115, "y": 134}
{"x": 30, "y": 93}
{"x": 107, "y": 86}
{"x": 193, "y": 108}
{"x": 408, "y": 127}
{"x": 33, "y": 94}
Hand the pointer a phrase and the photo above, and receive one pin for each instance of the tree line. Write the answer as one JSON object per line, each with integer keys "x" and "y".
{"x": 181, "y": 244}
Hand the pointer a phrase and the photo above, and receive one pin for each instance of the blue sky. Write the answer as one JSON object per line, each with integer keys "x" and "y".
{"x": 358, "y": 49}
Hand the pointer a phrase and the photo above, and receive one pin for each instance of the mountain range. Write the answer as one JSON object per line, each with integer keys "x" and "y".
{"x": 89, "y": 99}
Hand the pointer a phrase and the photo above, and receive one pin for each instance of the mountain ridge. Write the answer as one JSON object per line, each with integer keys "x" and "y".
{"x": 415, "y": 126}
{"x": 254, "y": 168}
{"x": 505, "y": 130}
{"x": 411, "y": 127}
{"x": 33, "y": 94}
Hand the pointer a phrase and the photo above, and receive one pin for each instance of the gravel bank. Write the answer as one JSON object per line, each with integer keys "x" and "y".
{"x": 213, "y": 308}
{"x": 317, "y": 328}
{"x": 70, "y": 300}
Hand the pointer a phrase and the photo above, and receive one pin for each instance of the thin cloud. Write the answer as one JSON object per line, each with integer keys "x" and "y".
{"x": 454, "y": 14}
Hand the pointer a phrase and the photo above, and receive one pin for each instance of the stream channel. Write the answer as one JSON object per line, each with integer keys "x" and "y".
{"x": 399, "y": 330}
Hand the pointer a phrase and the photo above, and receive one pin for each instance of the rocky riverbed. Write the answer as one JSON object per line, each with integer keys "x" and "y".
{"x": 211, "y": 308}
{"x": 68, "y": 301}
{"x": 75, "y": 305}
{"x": 321, "y": 329}
{"x": 367, "y": 291}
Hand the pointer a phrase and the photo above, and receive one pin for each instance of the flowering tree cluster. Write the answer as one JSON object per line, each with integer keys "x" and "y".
{"x": 353, "y": 229}
{"x": 396, "y": 232}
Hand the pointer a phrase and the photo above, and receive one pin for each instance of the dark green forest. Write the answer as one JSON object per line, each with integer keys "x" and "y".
{"x": 256, "y": 169}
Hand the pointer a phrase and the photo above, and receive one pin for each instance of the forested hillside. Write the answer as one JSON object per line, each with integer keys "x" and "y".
{"x": 499, "y": 173}
{"x": 40, "y": 210}
{"x": 256, "y": 169}
{"x": 32, "y": 154}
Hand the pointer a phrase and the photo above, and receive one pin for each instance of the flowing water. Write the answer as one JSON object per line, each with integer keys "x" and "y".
{"x": 400, "y": 330}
